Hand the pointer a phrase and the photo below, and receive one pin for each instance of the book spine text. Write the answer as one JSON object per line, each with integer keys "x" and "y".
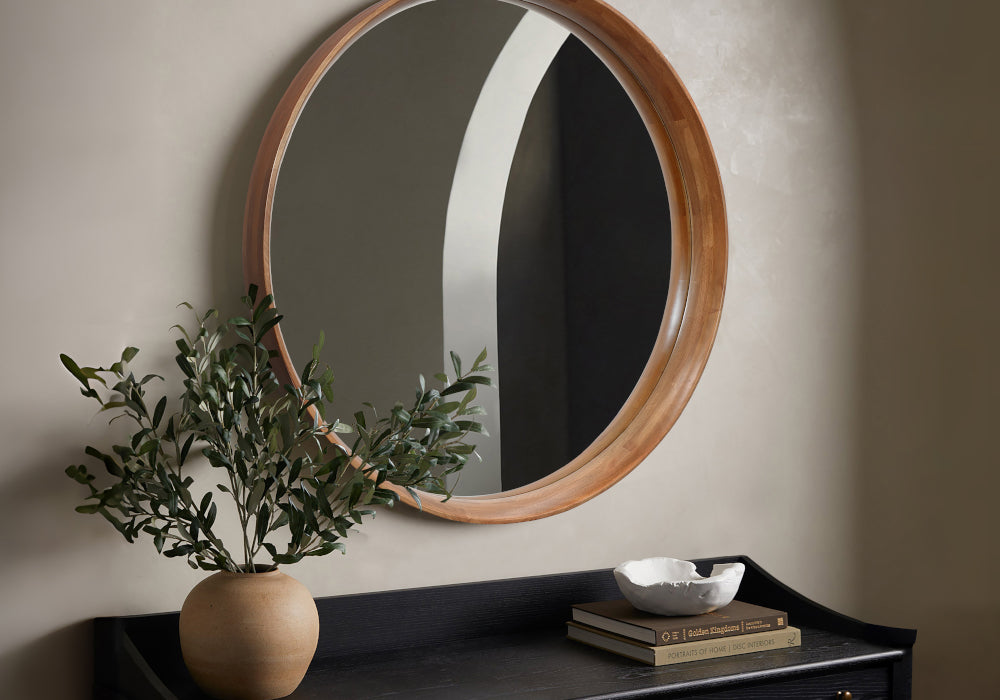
{"x": 718, "y": 630}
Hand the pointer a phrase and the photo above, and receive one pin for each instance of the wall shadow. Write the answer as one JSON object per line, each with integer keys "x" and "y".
{"x": 28, "y": 497}
{"x": 923, "y": 77}
{"x": 56, "y": 665}
{"x": 41, "y": 535}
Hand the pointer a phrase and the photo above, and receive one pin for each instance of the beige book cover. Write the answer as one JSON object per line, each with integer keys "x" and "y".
{"x": 690, "y": 651}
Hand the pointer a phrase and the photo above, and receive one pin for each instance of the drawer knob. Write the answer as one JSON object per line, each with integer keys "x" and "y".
{"x": 844, "y": 695}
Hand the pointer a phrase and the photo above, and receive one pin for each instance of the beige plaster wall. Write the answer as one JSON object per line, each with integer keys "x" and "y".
{"x": 840, "y": 433}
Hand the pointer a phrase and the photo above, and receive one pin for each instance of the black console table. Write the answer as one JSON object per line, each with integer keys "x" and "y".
{"x": 507, "y": 638}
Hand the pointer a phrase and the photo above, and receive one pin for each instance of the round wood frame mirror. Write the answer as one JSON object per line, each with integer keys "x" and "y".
{"x": 698, "y": 252}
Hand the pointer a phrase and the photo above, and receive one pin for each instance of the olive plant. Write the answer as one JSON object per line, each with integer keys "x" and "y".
{"x": 297, "y": 491}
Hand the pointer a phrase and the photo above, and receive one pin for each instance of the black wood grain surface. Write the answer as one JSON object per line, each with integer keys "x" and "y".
{"x": 506, "y": 639}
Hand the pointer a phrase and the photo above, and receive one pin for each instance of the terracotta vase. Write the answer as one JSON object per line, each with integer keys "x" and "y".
{"x": 249, "y": 636}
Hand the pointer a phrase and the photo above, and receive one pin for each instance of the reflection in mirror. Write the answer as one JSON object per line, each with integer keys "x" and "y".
{"x": 446, "y": 189}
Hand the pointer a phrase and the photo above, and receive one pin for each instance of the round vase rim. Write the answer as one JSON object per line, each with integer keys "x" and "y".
{"x": 251, "y": 574}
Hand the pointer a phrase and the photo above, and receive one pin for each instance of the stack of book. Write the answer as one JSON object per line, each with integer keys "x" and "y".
{"x": 738, "y": 628}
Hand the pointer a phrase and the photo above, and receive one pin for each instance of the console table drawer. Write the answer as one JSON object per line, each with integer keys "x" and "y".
{"x": 873, "y": 683}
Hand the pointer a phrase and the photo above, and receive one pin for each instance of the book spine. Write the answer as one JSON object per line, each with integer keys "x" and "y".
{"x": 717, "y": 630}
{"x": 784, "y": 638}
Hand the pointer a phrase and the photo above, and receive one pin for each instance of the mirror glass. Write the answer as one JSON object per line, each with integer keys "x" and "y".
{"x": 469, "y": 175}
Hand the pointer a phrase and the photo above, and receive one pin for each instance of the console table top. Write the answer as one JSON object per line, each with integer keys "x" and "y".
{"x": 507, "y": 638}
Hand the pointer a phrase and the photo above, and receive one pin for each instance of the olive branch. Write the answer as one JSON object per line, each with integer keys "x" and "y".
{"x": 297, "y": 490}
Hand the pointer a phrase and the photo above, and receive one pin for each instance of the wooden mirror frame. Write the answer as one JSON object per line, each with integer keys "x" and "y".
{"x": 698, "y": 252}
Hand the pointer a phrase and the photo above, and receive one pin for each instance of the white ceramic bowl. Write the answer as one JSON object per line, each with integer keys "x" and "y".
{"x": 665, "y": 586}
